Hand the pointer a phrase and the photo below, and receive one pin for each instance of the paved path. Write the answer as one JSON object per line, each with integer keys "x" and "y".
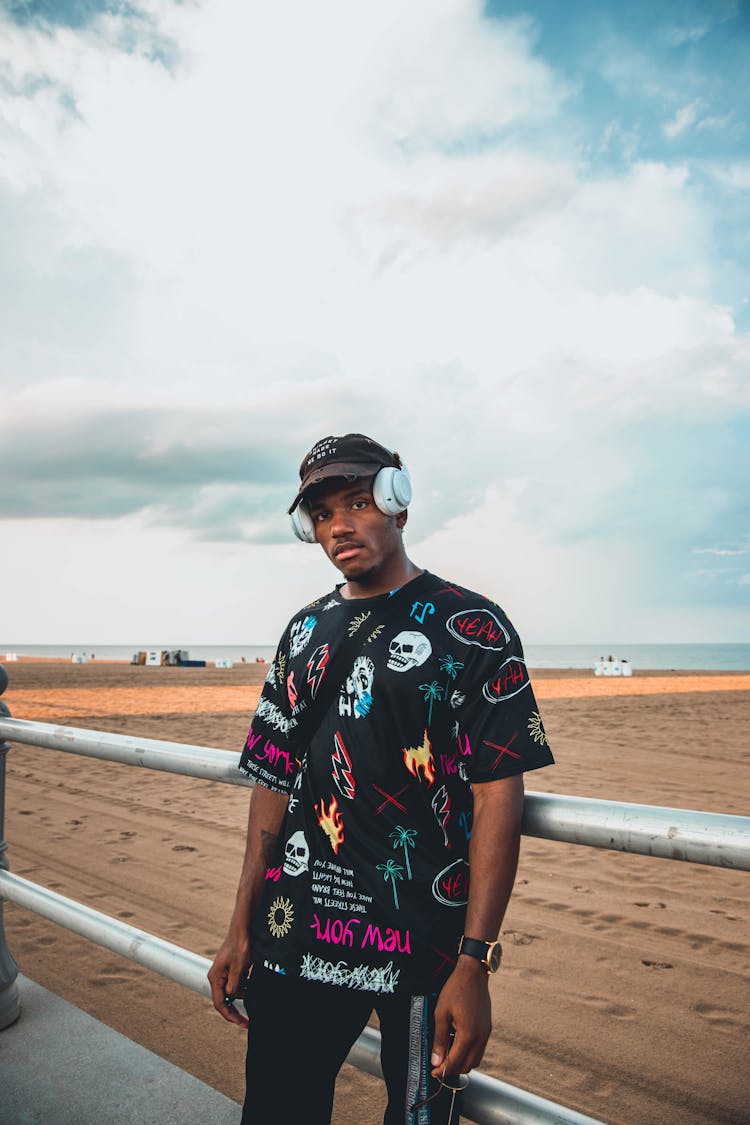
{"x": 60, "y": 1066}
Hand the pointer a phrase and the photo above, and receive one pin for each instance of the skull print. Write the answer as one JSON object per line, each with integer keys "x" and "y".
{"x": 296, "y": 854}
{"x": 408, "y": 650}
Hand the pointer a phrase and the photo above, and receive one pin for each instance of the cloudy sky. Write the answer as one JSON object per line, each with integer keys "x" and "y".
{"x": 509, "y": 240}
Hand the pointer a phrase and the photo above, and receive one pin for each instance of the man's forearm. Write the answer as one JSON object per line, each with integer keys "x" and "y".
{"x": 264, "y": 820}
{"x": 493, "y": 854}
{"x": 464, "y": 1002}
{"x": 229, "y": 969}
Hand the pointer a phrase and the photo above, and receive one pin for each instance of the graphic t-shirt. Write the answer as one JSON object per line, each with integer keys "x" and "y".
{"x": 369, "y": 886}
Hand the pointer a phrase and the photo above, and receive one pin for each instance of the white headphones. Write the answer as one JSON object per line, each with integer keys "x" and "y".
{"x": 391, "y": 491}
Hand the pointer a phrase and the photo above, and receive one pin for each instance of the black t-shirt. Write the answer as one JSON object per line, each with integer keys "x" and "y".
{"x": 369, "y": 885}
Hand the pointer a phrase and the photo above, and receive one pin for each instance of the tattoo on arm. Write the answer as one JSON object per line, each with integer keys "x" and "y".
{"x": 268, "y": 845}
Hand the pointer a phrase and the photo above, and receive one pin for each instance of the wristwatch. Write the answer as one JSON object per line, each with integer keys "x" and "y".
{"x": 488, "y": 952}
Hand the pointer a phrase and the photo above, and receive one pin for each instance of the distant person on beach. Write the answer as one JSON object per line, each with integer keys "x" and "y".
{"x": 377, "y": 789}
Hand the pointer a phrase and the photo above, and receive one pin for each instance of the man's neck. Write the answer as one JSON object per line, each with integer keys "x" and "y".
{"x": 371, "y": 586}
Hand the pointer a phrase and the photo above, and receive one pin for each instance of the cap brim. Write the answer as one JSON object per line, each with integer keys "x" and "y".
{"x": 348, "y": 469}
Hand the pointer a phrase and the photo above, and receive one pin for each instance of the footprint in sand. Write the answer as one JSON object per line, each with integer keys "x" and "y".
{"x": 655, "y": 905}
{"x": 606, "y": 1005}
{"x": 528, "y": 973}
{"x": 518, "y": 937}
{"x": 720, "y": 1018}
{"x": 657, "y": 964}
{"x": 121, "y": 976}
{"x": 184, "y": 848}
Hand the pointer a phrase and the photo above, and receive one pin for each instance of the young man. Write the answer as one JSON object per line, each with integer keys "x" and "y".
{"x": 368, "y": 814}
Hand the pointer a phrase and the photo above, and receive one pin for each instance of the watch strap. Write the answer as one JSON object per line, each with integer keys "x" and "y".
{"x": 489, "y": 953}
{"x": 474, "y": 948}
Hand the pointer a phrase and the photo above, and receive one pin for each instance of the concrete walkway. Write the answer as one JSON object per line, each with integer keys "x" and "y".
{"x": 60, "y": 1066}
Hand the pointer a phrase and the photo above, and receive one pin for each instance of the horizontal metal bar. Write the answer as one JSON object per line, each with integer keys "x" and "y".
{"x": 487, "y": 1100}
{"x": 205, "y": 762}
{"x": 137, "y": 945}
{"x": 717, "y": 839}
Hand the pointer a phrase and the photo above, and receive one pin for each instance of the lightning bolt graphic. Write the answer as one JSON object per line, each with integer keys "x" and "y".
{"x": 342, "y": 768}
{"x": 316, "y": 668}
{"x": 441, "y": 806}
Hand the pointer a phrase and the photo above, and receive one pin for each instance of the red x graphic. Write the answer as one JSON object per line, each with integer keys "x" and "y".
{"x": 389, "y": 800}
{"x": 502, "y": 749}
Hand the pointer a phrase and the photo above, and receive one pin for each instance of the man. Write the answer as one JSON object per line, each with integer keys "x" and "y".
{"x": 367, "y": 816}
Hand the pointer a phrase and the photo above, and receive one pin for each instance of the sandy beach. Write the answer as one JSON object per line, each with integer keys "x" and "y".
{"x": 624, "y": 990}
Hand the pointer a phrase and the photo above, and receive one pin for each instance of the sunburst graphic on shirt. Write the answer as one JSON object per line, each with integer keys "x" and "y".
{"x": 536, "y": 730}
{"x": 280, "y": 917}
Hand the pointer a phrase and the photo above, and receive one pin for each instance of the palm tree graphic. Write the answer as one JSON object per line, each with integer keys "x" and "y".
{"x": 432, "y": 692}
{"x": 393, "y": 871}
{"x": 452, "y": 666}
{"x": 404, "y": 838}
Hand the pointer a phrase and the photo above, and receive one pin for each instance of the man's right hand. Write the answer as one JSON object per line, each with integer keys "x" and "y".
{"x": 227, "y": 977}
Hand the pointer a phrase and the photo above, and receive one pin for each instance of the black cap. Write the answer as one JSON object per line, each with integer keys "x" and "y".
{"x": 352, "y": 455}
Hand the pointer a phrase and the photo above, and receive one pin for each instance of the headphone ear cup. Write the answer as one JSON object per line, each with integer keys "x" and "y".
{"x": 302, "y": 524}
{"x": 391, "y": 490}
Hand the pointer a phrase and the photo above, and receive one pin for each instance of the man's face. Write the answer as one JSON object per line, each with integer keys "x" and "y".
{"x": 358, "y": 538}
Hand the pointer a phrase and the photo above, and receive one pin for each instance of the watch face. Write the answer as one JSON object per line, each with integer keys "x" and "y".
{"x": 494, "y": 956}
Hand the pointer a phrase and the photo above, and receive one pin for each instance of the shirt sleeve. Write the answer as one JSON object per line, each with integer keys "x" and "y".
{"x": 269, "y": 755}
{"x": 502, "y": 733}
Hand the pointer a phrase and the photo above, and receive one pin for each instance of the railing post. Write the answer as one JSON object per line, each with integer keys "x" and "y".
{"x": 10, "y": 1000}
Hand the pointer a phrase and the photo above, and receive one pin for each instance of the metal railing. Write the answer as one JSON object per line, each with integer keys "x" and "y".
{"x": 681, "y": 834}
{"x": 715, "y": 839}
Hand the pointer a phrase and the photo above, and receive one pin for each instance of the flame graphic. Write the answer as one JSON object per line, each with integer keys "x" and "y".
{"x": 332, "y": 823}
{"x": 418, "y": 758}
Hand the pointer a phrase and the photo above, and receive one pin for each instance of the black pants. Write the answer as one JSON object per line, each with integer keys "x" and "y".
{"x": 301, "y": 1032}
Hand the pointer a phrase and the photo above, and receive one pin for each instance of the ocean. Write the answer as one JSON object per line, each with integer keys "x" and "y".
{"x": 699, "y": 657}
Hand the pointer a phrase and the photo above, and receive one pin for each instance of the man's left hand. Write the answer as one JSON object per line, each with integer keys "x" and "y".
{"x": 463, "y": 1005}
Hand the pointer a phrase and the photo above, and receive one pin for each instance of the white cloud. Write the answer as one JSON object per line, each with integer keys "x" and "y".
{"x": 683, "y": 120}
{"x": 699, "y": 21}
{"x": 735, "y": 175}
{"x": 722, "y": 552}
{"x": 375, "y": 222}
